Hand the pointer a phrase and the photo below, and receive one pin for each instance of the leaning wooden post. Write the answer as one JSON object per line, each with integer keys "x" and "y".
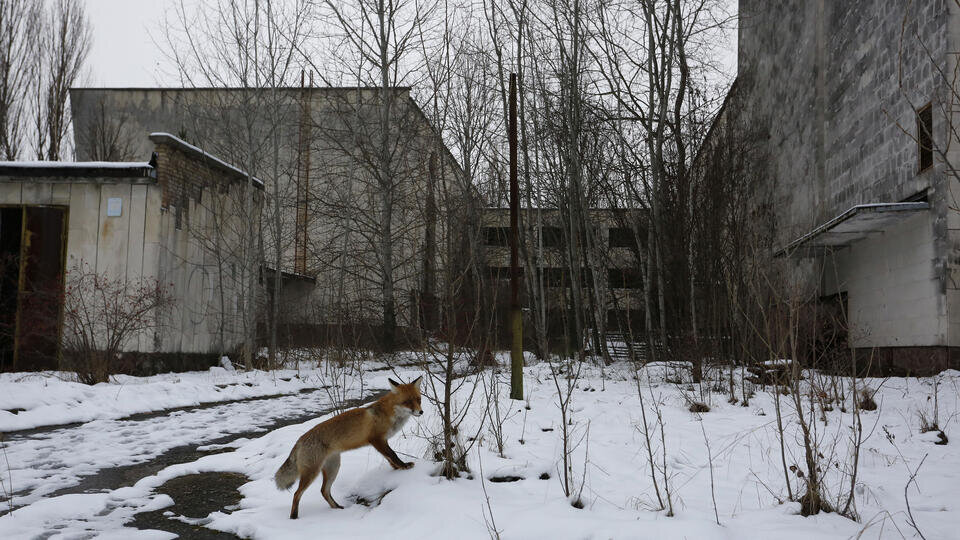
{"x": 516, "y": 316}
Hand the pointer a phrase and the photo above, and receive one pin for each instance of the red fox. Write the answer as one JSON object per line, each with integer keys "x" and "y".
{"x": 319, "y": 449}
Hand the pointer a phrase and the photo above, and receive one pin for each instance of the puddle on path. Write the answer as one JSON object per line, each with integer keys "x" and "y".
{"x": 195, "y": 496}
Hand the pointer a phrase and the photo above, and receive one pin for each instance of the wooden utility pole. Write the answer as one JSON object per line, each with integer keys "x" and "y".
{"x": 516, "y": 316}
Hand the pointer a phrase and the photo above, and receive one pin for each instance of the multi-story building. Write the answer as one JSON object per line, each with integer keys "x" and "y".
{"x": 610, "y": 277}
{"x": 857, "y": 102}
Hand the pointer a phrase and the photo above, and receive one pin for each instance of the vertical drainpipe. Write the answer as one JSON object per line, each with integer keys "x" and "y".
{"x": 303, "y": 177}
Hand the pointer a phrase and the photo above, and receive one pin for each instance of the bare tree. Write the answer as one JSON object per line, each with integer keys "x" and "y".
{"x": 656, "y": 58}
{"x": 107, "y": 138}
{"x": 102, "y": 315}
{"x": 61, "y": 49}
{"x": 19, "y": 27}
{"x": 43, "y": 46}
{"x": 374, "y": 48}
{"x": 247, "y": 54}
{"x": 566, "y": 114}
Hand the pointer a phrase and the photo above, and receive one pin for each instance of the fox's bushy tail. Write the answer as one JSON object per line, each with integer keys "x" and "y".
{"x": 287, "y": 473}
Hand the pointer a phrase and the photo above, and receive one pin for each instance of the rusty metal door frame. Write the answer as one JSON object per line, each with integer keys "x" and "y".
{"x": 21, "y": 277}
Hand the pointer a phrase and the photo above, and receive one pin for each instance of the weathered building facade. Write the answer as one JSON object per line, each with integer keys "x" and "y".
{"x": 857, "y": 105}
{"x": 610, "y": 278}
{"x": 128, "y": 222}
{"x": 320, "y": 154}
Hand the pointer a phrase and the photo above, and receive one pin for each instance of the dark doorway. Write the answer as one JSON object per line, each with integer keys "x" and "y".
{"x": 32, "y": 247}
{"x": 11, "y": 232}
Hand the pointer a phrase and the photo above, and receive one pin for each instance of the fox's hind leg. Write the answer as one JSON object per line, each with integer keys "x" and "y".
{"x": 306, "y": 478}
{"x": 330, "y": 469}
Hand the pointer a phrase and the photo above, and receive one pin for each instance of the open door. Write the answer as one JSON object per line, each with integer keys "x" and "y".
{"x": 11, "y": 235}
{"x": 32, "y": 250}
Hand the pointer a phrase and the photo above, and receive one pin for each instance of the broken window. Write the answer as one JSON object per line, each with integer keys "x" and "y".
{"x": 925, "y": 137}
{"x": 552, "y": 237}
{"x": 553, "y": 277}
{"x": 624, "y": 278}
{"x": 496, "y": 236}
{"x": 621, "y": 237}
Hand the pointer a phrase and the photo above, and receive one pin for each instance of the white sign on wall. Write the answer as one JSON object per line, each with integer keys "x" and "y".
{"x": 114, "y": 206}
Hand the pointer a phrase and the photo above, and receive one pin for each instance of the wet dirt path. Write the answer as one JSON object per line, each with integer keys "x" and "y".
{"x": 105, "y": 455}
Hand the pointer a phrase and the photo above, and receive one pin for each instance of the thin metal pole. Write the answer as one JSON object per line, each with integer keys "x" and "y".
{"x": 516, "y": 316}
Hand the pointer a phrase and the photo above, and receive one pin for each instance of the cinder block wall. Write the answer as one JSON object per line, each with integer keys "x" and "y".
{"x": 836, "y": 91}
{"x": 951, "y": 185}
{"x": 823, "y": 77}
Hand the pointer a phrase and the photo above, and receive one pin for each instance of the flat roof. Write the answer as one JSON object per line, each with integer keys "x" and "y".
{"x": 226, "y": 88}
{"x": 77, "y": 169}
{"x": 71, "y": 171}
{"x": 851, "y": 226}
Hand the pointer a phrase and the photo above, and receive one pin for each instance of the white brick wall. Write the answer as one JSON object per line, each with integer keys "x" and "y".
{"x": 893, "y": 295}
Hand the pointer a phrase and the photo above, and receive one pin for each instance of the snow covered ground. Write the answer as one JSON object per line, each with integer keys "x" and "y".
{"x": 732, "y": 448}
{"x": 30, "y": 400}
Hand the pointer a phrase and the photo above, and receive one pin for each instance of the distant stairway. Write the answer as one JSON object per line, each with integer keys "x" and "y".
{"x": 622, "y": 348}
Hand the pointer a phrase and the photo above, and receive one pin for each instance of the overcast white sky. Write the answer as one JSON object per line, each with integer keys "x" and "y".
{"x": 124, "y": 54}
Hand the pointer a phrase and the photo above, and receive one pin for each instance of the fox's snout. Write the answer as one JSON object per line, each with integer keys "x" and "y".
{"x": 408, "y": 395}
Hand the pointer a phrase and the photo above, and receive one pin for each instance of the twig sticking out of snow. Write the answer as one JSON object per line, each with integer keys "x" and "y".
{"x": 906, "y": 497}
{"x": 491, "y": 523}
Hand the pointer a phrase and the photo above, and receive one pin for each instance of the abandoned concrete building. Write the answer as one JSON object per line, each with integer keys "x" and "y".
{"x": 612, "y": 277}
{"x": 126, "y": 221}
{"x": 858, "y": 120}
{"x": 314, "y": 148}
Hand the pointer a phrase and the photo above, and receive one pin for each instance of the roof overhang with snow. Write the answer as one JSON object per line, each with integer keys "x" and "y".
{"x": 210, "y": 159}
{"x": 77, "y": 171}
{"x": 851, "y": 226}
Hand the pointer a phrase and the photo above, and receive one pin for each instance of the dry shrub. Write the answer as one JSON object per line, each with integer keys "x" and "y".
{"x": 698, "y": 407}
{"x": 927, "y": 424}
{"x": 483, "y": 358}
{"x": 865, "y": 400}
{"x": 102, "y": 316}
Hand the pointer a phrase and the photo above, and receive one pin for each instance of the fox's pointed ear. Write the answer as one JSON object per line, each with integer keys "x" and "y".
{"x": 393, "y": 384}
{"x": 417, "y": 381}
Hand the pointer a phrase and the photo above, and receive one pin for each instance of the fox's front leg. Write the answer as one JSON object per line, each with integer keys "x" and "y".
{"x": 387, "y": 452}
